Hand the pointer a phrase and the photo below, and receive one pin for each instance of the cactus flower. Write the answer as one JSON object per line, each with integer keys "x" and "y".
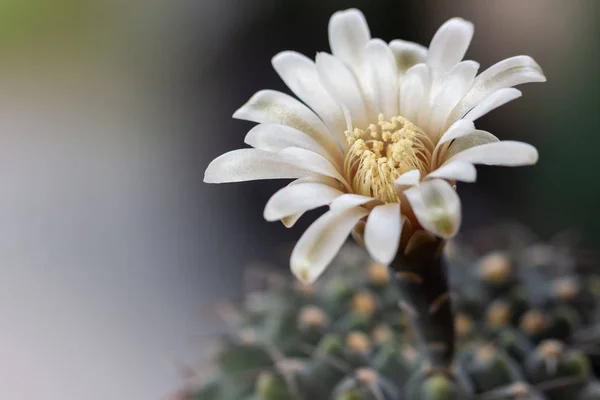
{"x": 381, "y": 135}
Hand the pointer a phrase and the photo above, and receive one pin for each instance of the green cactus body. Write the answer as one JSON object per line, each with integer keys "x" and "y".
{"x": 552, "y": 362}
{"x": 518, "y": 329}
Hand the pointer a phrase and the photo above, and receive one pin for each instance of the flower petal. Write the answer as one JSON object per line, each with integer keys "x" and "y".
{"x": 321, "y": 242}
{"x": 325, "y": 180}
{"x": 464, "y": 142}
{"x": 456, "y": 84}
{"x": 348, "y": 35}
{"x": 436, "y": 206}
{"x": 455, "y": 171}
{"x": 251, "y": 164}
{"x": 449, "y": 44}
{"x": 506, "y": 153}
{"x": 270, "y": 106}
{"x": 299, "y": 198}
{"x": 342, "y": 85}
{"x": 276, "y": 137}
{"x": 300, "y": 74}
{"x": 382, "y": 73}
{"x": 458, "y": 129}
{"x": 382, "y": 232}
{"x": 407, "y": 179}
{"x": 407, "y": 54}
{"x": 349, "y": 200}
{"x": 291, "y": 220}
{"x": 413, "y": 90}
{"x": 493, "y": 101}
{"x": 506, "y": 73}
{"x": 312, "y": 162}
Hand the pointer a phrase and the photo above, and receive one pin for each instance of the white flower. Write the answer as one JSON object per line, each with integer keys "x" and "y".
{"x": 386, "y": 131}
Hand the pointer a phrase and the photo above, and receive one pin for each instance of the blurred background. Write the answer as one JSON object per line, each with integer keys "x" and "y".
{"x": 112, "y": 248}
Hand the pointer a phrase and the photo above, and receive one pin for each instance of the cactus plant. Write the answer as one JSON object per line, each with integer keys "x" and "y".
{"x": 391, "y": 134}
{"x": 524, "y": 328}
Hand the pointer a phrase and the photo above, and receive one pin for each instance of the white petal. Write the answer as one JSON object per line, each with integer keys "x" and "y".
{"x": 270, "y": 106}
{"x": 251, "y": 164}
{"x": 493, "y": 101}
{"x": 311, "y": 161}
{"x": 455, "y": 171}
{"x": 290, "y": 220}
{"x": 300, "y": 74}
{"x": 299, "y": 198}
{"x": 449, "y": 44}
{"x": 506, "y": 73}
{"x": 436, "y": 206}
{"x": 325, "y": 180}
{"x": 407, "y": 54}
{"x": 459, "y": 128}
{"x": 321, "y": 242}
{"x": 407, "y": 179}
{"x": 349, "y": 200}
{"x": 413, "y": 90}
{"x": 382, "y": 232}
{"x": 348, "y": 35}
{"x": 382, "y": 76}
{"x": 506, "y": 153}
{"x": 464, "y": 142}
{"x": 275, "y": 137}
{"x": 455, "y": 85}
{"x": 342, "y": 86}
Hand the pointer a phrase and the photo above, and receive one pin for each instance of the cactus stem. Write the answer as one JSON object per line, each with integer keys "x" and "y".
{"x": 423, "y": 287}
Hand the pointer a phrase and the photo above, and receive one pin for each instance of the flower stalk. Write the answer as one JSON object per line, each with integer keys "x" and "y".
{"x": 420, "y": 278}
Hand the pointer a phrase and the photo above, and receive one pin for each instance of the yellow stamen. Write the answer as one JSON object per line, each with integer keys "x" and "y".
{"x": 378, "y": 155}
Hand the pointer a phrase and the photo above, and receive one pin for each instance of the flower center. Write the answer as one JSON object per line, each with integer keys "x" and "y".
{"x": 382, "y": 152}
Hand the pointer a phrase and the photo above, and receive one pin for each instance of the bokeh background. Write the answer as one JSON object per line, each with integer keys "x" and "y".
{"x": 111, "y": 247}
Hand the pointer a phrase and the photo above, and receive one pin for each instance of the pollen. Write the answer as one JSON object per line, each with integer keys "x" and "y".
{"x": 382, "y": 152}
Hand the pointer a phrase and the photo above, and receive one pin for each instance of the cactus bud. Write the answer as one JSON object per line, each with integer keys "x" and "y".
{"x": 464, "y": 325}
{"x": 552, "y": 361}
{"x": 496, "y": 272}
{"x": 312, "y": 323}
{"x": 514, "y": 343}
{"x": 498, "y": 314}
{"x": 365, "y": 303}
{"x": 565, "y": 289}
{"x": 490, "y": 368}
{"x": 364, "y": 384}
{"x": 378, "y": 275}
{"x": 395, "y": 362}
{"x": 382, "y": 334}
{"x": 358, "y": 348}
{"x": 534, "y": 324}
